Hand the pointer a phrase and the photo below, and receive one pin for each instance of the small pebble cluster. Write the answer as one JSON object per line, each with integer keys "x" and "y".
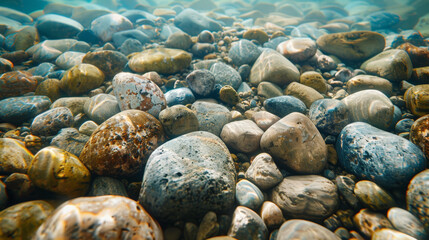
{"x": 214, "y": 120}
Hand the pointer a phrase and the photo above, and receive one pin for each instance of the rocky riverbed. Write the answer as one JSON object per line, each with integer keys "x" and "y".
{"x": 214, "y": 120}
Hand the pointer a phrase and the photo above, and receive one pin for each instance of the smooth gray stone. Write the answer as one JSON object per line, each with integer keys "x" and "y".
{"x": 407, "y": 223}
{"x": 55, "y": 26}
{"x": 304, "y": 230}
{"x": 247, "y": 225}
{"x": 248, "y": 195}
{"x": 263, "y": 172}
{"x": 107, "y": 186}
{"x": 70, "y": 140}
{"x": 211, "y": 116}
{"x": 101, "y": 107}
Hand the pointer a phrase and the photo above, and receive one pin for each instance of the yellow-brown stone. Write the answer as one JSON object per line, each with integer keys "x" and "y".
{"x": 417, "y": 99}
{"x": 81, "y": 79}
{"x": 160, "y": 60}
{"x": 419, "y": 134}
{"x": 256, "y": 34}
{"x": 14, "y": 157}
{"x": 50, "y": 88}
{"x": 314, "y": 80}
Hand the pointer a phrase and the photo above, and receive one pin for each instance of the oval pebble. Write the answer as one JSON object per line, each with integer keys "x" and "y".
{"x": 407, "y": 223}
{"x": 305, "y": 230}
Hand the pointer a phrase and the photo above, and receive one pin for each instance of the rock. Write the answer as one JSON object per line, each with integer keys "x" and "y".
{"x": 69, "y": 59}
{"x": 211, "y": 116}
{"x": 105, "y": 26}
{"x": 101, "y": 107}
{"x": 330, "y": 116}
{"x": 136, "y": 92}
{"x": 306, "y": 94}
{"x": 14, "y": 157}
{"x": 225, "y": 75}
{"x": 314, "y": 80}
{"x": 264, "y": 119}
{"x": 244, "y": 52}
{"x": 160, "y": 60}
{"x": 263, "y": 172}
{"x": 271, "y": 214}
{"x": 244, "y": 219}
{"x": 268, "y": 90}
{"x": 271, "y": 66}
{"x": 106, "y": 154}
{"x": 3, "y": 195}
{"x": 29, "y": 214}
{"x": 418, "y": 134}
{"x": 256, "y": 34}
{"x": 284, "y": 105}
{"x": 200, "y": 50}
{"x": 296, "y": 143}
{"x": 404, "y": 125}
{"x": 382, "y": 20}
{"x": 75, "y": 104}
{"x": 22, "y": 39}
{"x": 193, "y": 173}
{"x": 326, "y": 63}
{"x": 107, "y": 186}
{"x": 87, "y": 128}
{"x": 314, "y": 197}
{"x": 192, "y": 22}
{"x": 81, "y": 79}
{"x": 367, "y": 222}
{"x": 394, "y": 65}
{"x": 352, "y": 46}
{"x": 16, "y": 83}
{"x": 84, "y": 217}
{"x": 110, "y": 62}
{"x": 178, "y": 120}
{"x": 417, "y": 100}
{"x": 417, "y": 197}
{"x": 209, "y": 226}
{"x": 228, "y": 95}
{"x": 5, "y": 65}
{"x": 201, "y": 82}
{"x": 248, "y": 195}
{"x": 346, "y": 187}
{"x": 298, "y": 49}
{"x": 20, "y": 109}
{"x": 52, "y": 121}
{"x": 364, "y": 82}
{"x": 406, "y": 222}
{"x": 242, "y": 136}
{"x": 372, "y": 196}
{"x": 44, "y": 69}
{"x": 419, "y": 55}
{"x": 59, "y": 171}
{"x": 386, "y": 233}
{"x": 70, "y": 140}
{"x": 368, "y": 153}
{"x": 370, "y": 106}
{"x": 179, "y": 40}
{"x": 121, "y": 37}
{"x": 20, "y": 187}
{"x": 302, "y": 229}
{"x": 54, "y": 26}
{"x": 15, "y": 15}
{"x": 420, "y": 75}
{"x": 130, "y": 46}
{"x": 181, "y": 96}
{"x": 206, "y": 37}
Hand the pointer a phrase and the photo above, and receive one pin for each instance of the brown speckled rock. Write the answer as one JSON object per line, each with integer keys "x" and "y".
{"x": 16, "y": 83}
{"x": 14, "y": 157}
{"x": 121, "y": 145}
{"x": 104, "y": 217}
{"x": 368, "y": 222}
{"x": 110, "y": 62}
{"x": 417, "y": 99}
{"x": 22, "y": 220}
{"x": 419, "y": 134}
{"x": 59, "y": 171}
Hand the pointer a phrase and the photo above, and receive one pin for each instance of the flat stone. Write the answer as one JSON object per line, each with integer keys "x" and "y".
{"x": 160, "y": 60}
{"x": 182, "y": 95}
{"x": 120, "y": 37}
{"x": 242, "y": 136}
{"x": 192, "y": 22}
{"x": 263, "y": 172}
{"x": 364, "y": 82}
{"x": 84, "y": 217}
{"x": 70, "y": 140}
{"x": 373, "y": 196}
{"x": 55, "y": 26}
{"x": 20, "y": 109}
{"x": 178, "y": 120}
{"x": 417, "y": 99}
{"x": 248, "y": 195}
{"x": 367, "y": 222}
{"x": 244, "y": 219}
{"x": 105, "y": 26}
{"x": 16, "y": 83}
{"x": 244, "y": 52}
{"x": 101, "y": 107}
{"x": 81, "y": 79}
{"x": 306, "y": 230}
{"x": 407, "y": 223}
{"x": 188, "y": 176}
{"x": 295, "y": 142}
{"x": 14, "y": 156}
{"x": 69, "y": 59}
{"x": 298, "y": 49}
{"x": 329, "y": 115}
{"x": 107, "y": 155}
{"x": 379, "y": 156}
{"x": 264, "y": 119}
{"x": 314, "y": 197}
{"x": 109, "y": 62}
{"x": 282, "y": 106}
{"x": 59, "y": 171}
{"x": 211, "y": 116}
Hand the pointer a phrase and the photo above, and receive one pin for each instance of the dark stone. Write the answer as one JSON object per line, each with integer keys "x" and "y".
{"x": 283, "y": 105}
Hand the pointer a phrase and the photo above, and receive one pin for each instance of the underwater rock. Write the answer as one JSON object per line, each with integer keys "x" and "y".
{"x": 201, "y": 82}
{"x": 248, "y": 195}
{"x": 418, "y": 134}
{"x": 81, "y": 79}
{"x": 417, "y": 99}
{"x": 211, "y": 116}
{"x": 418, "y": 199}
{"x": 54, "y": 26}
{"x": 330, "y": 116}
{"x": 244, "y": 219}
{"x": 160, "y": 60}
{"x": 314, "y": 80}
{"x": 178, "y": 120}
{"x": 263, "y": 172}
{"x": 298, "y": 49}
{"x": 244, "y": 52}
{"x": 51, "y": 121}
{"x": 406, "y": 222}
{"x": 101, "y": 107}
{"x": 107, "y": 25}
{"x": 181, "y": 96}
{"x": 282, "y": 106}
{"x": 70, "y": 140}
{"x": 225, "y": 75}
{"x": 192, "y": 22}
{"x": 306, "y": 94}
{"x": 364, "y": 82}
{"x": 16, "y": 83}
{"x": 242, "y": 136}
{"x": 110, "y": 62}
{"x": 373, "y": 196}
{"x": 303, "y": 229}
{"x": 20, "y": 109}
{"x": 14, "y": 156}
{"x": 368, "y": 222}
{"x": 69, "y": 59}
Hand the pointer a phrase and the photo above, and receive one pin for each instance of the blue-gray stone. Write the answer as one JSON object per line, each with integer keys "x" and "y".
{"x": 120, "y": 37}
{"x": 404, "y": 125}
{"x": 244, "y": 71}
{"x": 248, "y": 195}
{"x": 44, "y": 69}
{"x": 188, "y": 176}
{"x": 308, "y": 30}
{"x": 211, "y": 116}
{"x": 225, "y": 75}
{"x": 101, "y": 107}
{"x": 247, "y": 225}
{"x": 181, "y": 96}
{"x": 101, "y": 186}
{"x": 70, "y": 140}
{"x": 201, "y": 82}
{"x": 382, "y": 19}
{"x": 50, "y": 122}
{"x": 199, "y": 50}
{"x": 329, "y": 115}
{"x": 283, "y": 105}
{"x": 273, "y": 43}
{"x": 131, "y": 46}
{"x": 379, "y": 156}
{"x": 192, "y": 22}
{"x": 20, "y": 109}
{"x": 2, "y": 40}
{"x": 134, "y": 14}
{"x": 55, "y": 26}
{"x": 56, "y": 74}
{"x": 244, "y": 52}
{"x": 167, "y": 30}
{"x": 244, "y": 88}
{"x": 407, "y": 223}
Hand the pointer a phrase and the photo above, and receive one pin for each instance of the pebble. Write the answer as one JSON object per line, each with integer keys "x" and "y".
{"x": 298, "y": 49}
{"x": 242, "y": 136}
{"x": 52, "y": 121}
{"x": 256, "y": 34}
{"x": 30, "y": 214}
{"x": 314, "y": 80}
{"x": 370, "y": 106}
{"x": 244, "y": 52}
{"x": 16, "y": 83}
{"x": 420, "y": 75}
{"x": 326, "y": 63}
{"x": 59, "y": 171}
{"x": 192, "y": 22}
{"x": 390, "y": 234}
{"x": 364, "y": 82}
{"x": 417, "y": 197}
{"x": 105, "y": 26}
{"x": 418, "y": 134}
{"x": 248, "y": 195}
{"x": 101, "y": 186}
{"x": 264, "y": 119}
{"x": 86, "y": 216}
{"x": 313, "y": 197}
{"x": 368, "y": 222}
{"x": 379, "y": 156}
{"x": 70, "y": 140}
{"x": 181, "y": 96}
{"x": 209, "y": 227}
{"x": 263, "y": 172}
{"x": 394, "y": 65}
{"x": 178, "y": 120}
{"x": 244, "y": 219}
{"x": 416, "y": 99}
{"x": 121, "y": 145}
{"x": 201, "y": 50}
{"x": 407, "y": 223}
{"x": 225, "y": 75}
{"x": 282, "y": 106}
{"x": 108, "y": 61}
{"x": 198, "y": 177}
{"x": 179, "y": 40}
{"x": 119, "y": 38}
{"x": 303, "y": 229}
{"x": 75, "y": 104}
{"x": 418, "y": 55}
{"x": 373, "y": 196}
{"x": 5, "y": 65}
{"x": 306, "y": 94}
{"x": 271, "y": 66}
{"x": 404, "y": 125}
{"x": 286, "y": 140}
{"x": 201, "y": 82}
{"x": 136, "y": 92}
{"x": 54, "y": 26}
{"x": 69, "y": 59}
{"x": 14, "y": 156}
{"x": 101, "y": 107}
{"x": 272, "y": 215}
{"x": 88, "y": 128}
{"x": 20, "y": 109}
{"x": 346, "y": 187}
{"x": 330, "y": 116}
{"x": 160, "y": 60}
{"x": 382, "y": 19}
{"x": 268, "y": 90}
{"x": 211, "y": 116}
{"x": 81, "y": 79}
